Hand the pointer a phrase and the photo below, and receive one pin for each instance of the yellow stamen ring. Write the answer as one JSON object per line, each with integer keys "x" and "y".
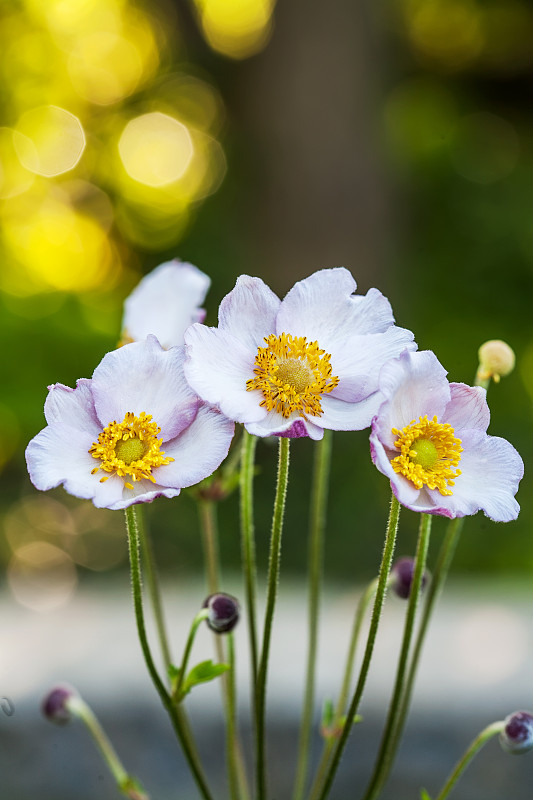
{"x": 430, "y": 453}
{"x": 130, "y": 448}
{"x": 292, "y": 375}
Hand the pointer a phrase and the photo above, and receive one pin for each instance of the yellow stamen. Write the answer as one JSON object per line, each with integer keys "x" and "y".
{"x": 430, "y": 454}
{"x": 130, "y": 448}
{"x": 292, "y": 375}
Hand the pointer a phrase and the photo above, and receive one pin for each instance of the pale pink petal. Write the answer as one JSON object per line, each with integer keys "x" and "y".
{"x": 165, "y": 303}
{"x": 414, "y": 385}
{"x": 143, "y": 377}
{"x": 275, "y": 424}
{"x": 74, "y": 407}
{"x": 198, "y": 451}
{"x": 467, "y": 408}
{"x": 143, "y": 492}
{"x": 217, "y": 368}
{"x": 59, "y": 455}
{"x": 491, "y": 471}
{"x": 319, "y": 307}
{"x": 340, "y": 416}
{"x": 248, "y": 312}
{"x": 406, "y": 493}
{"x": 357, "y": 360}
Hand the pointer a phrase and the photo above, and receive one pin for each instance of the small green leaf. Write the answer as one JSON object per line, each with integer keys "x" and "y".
{"x": 328, "y": 713}
{"x": 424, "y": 795}
{"x": 202, "y": 673}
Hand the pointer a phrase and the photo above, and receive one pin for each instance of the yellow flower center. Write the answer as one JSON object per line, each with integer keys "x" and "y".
{"x": 430, "y": 454}
{"x": 292, "y": 375}
{"x": 130, "y": 448}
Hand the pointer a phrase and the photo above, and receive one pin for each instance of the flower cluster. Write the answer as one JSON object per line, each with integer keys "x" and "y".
{"x": 158, "y": 416}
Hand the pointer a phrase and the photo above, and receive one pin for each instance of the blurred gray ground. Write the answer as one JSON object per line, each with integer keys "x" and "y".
{"x": 476, "y": 668}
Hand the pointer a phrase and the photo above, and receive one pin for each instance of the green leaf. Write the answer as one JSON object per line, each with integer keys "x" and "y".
{"x": 203, "y": 672}
{"x": 424, "y": 795}
{"x": 328, "y": 713}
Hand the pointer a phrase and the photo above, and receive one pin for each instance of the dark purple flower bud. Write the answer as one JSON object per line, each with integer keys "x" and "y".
{"x": 401, "y": 576}
{"x": 517, "y": 736}
{"x": 55, "y": 704}
{"x": 224, "y": 612}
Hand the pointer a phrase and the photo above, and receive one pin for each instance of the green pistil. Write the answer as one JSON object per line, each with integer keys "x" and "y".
{"x": 130, "y": 450}
{"x": 425, "y": 453}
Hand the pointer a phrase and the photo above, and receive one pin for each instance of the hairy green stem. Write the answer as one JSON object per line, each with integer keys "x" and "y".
{"x": 272, "y": 588}
{"x": 440, "y": 573}
{"x": 362, "y": 607}
{"x": 152, "y": 580}
{"x": 486, "y": 734}
{"x": 208, "y": 526}
{"x": 248, "y": 541}
{"x": 396, "y": 710}
{"x": 125, "y": 782}
{"x": 321, "y": 790}
{"x": 175, "y": 713}
{"x": 319, "y": 497}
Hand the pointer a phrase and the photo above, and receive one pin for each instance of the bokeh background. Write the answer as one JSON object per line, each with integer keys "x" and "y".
{"x": 391, "y": 138}
{"x": 394, "y": 139}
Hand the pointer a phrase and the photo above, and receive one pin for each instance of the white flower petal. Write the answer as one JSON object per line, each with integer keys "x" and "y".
{"x": 59, "y": 454}
{"x": 319, "y": 307}
{"x": 143, "y": 492}
{"x": 467, "y": 408}
{"x": 143, "y": 377}
{"x": 249, "y": 311}
{"x": 357, "y": 360}
{"x": 341, "y": 416}
{"x": 217, "y": 368}
{"x": 274, "y": 424}
{"x": 491, "y": 471}
{"x": 406, "y": 493}
{"x": 413, "y": 385}
{"x": 198, "y": 451}
{"x": 74, "y": 407}
{"x": 165, "y": 303}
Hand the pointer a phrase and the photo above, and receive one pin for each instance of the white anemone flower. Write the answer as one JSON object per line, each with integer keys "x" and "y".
{"x": 429, "y": 438}
{"x": 296, "y": 366}
{"x": 165, "y": 302}
{"x": 135, "y": 432}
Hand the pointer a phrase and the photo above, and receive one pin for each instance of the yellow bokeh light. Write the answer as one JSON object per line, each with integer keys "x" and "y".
{"x": 446, "y": 31}
{"x": 60, "y": 248}
{"x": 236, "y": 28}
{"x": 67, "y": 17}
{"x": 14, "y": 178}
{"x": 155, "y": 149}
{"x": 106, "y": 65}
{"x": 49, "y": 140}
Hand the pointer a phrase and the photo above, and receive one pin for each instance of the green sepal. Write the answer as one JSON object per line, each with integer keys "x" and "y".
{"x": 203, "y": 672}
{"x": 133, "y": 789}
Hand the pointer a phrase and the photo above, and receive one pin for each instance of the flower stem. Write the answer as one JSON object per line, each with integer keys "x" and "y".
{"x": 440, "y": 573}
{"x": 362, "y": 606}
{"x": 397, "y": 711}
{"x": 248, "y": 540}
{"x": 197, "y": 621}
{"x": 153, "y": 586}
{"x": 319, "y": 496}
{"x": 486, "y": 734}
{"x": 231, "y": 723}
{"x": 126, "y": 783}
{"x": 319, "y": 791}
{"x": 272, "y": 586}
{"x": 176, "y": 715}
{"x": 208, "y": 524}
{"x": 236, "y": 769}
